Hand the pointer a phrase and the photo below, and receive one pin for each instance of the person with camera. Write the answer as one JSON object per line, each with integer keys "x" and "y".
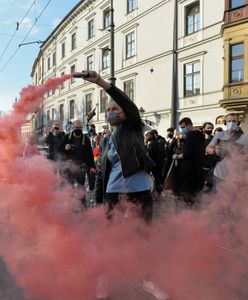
{"x": 78, "y": 152}
{"x": 53, "y": 139}
{"x": 224, "y": 143}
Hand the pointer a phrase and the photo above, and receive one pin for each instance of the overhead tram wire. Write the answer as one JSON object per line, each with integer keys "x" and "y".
{"x": 17, "y": 27}
{"x": 13, "y": 55}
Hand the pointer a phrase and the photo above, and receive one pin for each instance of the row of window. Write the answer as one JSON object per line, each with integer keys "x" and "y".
{"x": 192, "y": 76}
{"x": 192, "y": 19}
{"x": 192, "y": 83}
{"x": 193, "y": 15}
{"x": 130, "y": 52}
{"x": 88, "y": 104}
{"x": 131, "y": 6}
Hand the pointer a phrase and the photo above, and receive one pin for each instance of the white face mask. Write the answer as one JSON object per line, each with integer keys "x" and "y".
{"x": 232, "y": 126}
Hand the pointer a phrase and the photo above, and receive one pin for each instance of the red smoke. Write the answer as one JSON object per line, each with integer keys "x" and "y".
{"x": 56, "y": 254}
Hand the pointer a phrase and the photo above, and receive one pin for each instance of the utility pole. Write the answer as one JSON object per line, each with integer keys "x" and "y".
{"x": 174, "y": 101}
{"x": 112, "y": 45}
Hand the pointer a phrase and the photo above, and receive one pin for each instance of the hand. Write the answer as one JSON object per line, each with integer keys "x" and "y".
{"x": 218, "y": 150}
{"x": 175, "y": 156}
{"x": 94, "y": 77}
{"x": 92, "y": 171}
{"x": 91, "y": 76}
{"x": 67, "y": 147}
{"x": 180, "y": 156}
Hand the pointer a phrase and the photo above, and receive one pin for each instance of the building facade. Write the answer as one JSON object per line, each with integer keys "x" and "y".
{"x": 235, "y": 38}
{"x": 170, "y": 58}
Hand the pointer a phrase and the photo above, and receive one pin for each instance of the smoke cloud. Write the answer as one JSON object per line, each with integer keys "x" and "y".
{"x": 54, "y": 253}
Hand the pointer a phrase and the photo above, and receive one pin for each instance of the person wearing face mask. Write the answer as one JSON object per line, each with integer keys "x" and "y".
{"x": 209, "y": 160}
{"x": 123, "y": 160}
{"x": 224, "y": 143}
{"x": 53, "y": 139}
{"x": 191, "y": 161}
{"x": 78, "y": 156}
{"x": 124, "y": 166}
{"x": 170, "y": 150}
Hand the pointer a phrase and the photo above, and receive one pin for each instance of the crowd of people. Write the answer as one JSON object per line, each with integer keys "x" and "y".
{"x": 125, "y": 160}
{"x": 120, "y": 161}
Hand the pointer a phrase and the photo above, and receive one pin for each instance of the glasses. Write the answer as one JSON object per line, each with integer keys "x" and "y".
{"x": 78, "y": 127}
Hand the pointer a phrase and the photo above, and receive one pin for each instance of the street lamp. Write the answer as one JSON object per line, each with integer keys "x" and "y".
{"x": 112, "y": 45}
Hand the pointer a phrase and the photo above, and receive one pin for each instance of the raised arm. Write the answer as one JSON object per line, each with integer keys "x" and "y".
{"x": 130, "y": 109}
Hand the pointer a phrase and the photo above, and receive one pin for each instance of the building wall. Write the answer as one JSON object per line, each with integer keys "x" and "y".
{"x": 150, "y": 68}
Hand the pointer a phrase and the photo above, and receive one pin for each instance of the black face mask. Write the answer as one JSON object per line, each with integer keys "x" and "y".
{"x": 78, "y": 131}
{"x": 208, "y": 132}
{"x": 91, "y": 130}
{"x": 170, "y": 135}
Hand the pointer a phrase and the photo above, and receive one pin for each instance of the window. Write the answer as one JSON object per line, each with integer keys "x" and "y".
{"x": 53, "y": 114}
{"x": 72, "y": 109}
{"x": 61, "y": 112}
{"x": 131, "y": 5}
{"x": 63, "y": 83}
{"x": 192, "y": 79}
{"x": 236, "y": 3}
{"x": 63, "y": 50}
{"x": 39, "y": 72}
{"x": 237, "y": 62}
{"x": 88, "y": 103}
{"x": 73, "y": 41}
{"x": 90, "y": 62}
{"x": 129, "y": 89}
{"x": 105, "y": 58}
{"x": 91, "y": 29}
{"x": 48, "y": 116}
{"x": 53, "y": 91}
{"x": 103, "y": 101}
{"x": 73, "y": 68}
{"x": 193, "y": 18}
{"x": 130, "y": 45}
{"x": 106, "y": 18}
{"x": 54, "y": 59}
{"x": 48, "y": 63}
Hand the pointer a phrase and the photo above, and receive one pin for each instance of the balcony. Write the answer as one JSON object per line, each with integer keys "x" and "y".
{"x": 236, "y": 97}
{"x": 236, "y": 14}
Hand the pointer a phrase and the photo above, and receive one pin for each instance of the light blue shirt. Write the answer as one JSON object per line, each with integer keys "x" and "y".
{"x": 137, "y": 182}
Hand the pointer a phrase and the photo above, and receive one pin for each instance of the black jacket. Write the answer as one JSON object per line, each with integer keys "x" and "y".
{"x": 54, "y": 142}
{"x": 129, "y": 143}
{"x": 191, "y": 166}
{"x": 81, "y": 151}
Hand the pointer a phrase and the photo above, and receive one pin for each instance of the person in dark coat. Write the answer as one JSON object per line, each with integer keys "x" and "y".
{"x": 170, "y": 146}
{"x": 124, "y": 164}
{"x": 123, "y": 160}
{"x": 191, "y": 161}
{"x": 209, "y": 160}
{"x": 53, "y": 139}
{"x": 78, "y": 155}
{"x": 153, "y": 148}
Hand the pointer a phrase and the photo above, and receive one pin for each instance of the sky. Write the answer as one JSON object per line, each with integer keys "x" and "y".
{"x": 36, "y": 20}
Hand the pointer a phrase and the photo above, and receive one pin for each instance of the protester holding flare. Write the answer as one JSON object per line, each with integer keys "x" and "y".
{"x": 123, "y": 163}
